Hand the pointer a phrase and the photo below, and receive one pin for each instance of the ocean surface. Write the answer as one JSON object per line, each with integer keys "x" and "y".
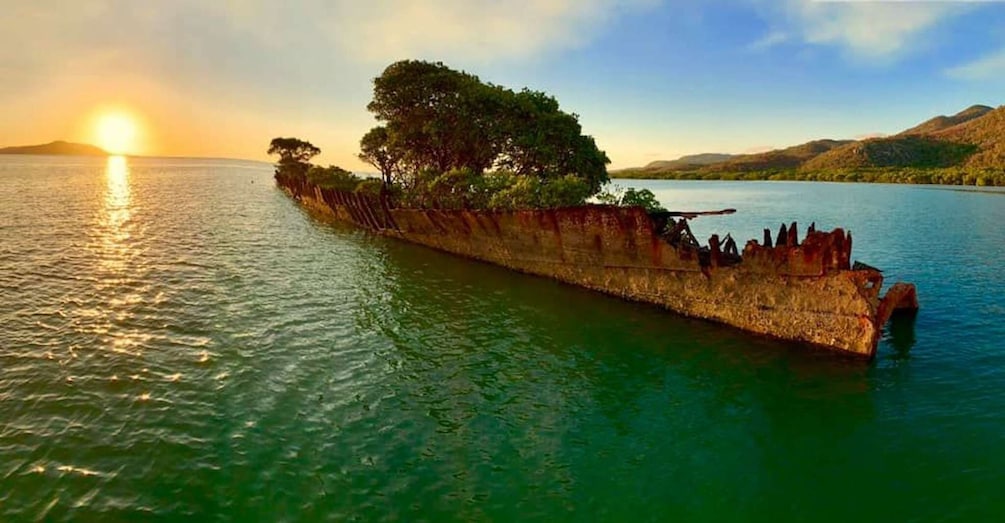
{"x": 179, "y": 341}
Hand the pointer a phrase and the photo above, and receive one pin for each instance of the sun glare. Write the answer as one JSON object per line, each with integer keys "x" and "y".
{"x": 116, "y": 133}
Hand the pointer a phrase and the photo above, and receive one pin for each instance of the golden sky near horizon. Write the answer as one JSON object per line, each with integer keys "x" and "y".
{"x": 650, "y": 79}
{"x": 220, "y": 79}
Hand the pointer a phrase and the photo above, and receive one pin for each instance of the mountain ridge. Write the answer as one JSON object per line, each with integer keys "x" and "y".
{"x": 58, "y": 147}
{"x": 973, "y": 138}
{"x": 942, "y": 122}
{"x": 690, "y": 160}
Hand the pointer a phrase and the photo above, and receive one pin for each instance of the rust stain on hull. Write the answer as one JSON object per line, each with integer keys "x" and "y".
{"x": 796, "y": 291}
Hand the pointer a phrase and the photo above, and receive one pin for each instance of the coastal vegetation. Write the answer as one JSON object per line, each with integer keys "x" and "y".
{"x": 631, "y": 197}
{"x": 435, "y": 118}
{"x": 294, "y": 154}
{"x": 946, "y": 176}
{"x": 967, "y": 148}
{"x": 447, "y": 140}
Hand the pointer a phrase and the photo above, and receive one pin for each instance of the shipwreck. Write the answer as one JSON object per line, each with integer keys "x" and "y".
{"x": 800, "y": 289}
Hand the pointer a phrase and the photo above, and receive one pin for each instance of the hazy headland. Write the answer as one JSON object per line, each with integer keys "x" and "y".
{"x": 58, "y": 147}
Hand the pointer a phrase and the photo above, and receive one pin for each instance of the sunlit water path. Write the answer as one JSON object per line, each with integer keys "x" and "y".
{"x": 179, "y": 340}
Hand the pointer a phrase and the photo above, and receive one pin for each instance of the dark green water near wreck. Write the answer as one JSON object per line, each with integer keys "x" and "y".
{"x": 180, "y": 342}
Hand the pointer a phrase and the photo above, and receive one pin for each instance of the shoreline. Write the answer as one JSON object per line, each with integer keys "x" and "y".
{"x": 953, "y": 177}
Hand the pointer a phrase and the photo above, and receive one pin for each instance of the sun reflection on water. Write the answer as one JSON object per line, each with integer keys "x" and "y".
{"x": 116, "y": 254}
{"x": 117, "y": 209}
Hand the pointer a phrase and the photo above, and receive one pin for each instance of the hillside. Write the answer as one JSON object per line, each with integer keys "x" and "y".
{"x": 899, "y": 151}
{"x": 977, "y": 141}
{"x": 56, "y": 148}
{"x": 987, "y": 133}
{"x": 945, "y": 122}
{"x": 689, "y": 161}
{"x": 788, "y": 158}
{"x": 973, "y": 139}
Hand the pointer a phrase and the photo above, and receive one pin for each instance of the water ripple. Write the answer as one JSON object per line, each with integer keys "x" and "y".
{"x": 180, "y": 341}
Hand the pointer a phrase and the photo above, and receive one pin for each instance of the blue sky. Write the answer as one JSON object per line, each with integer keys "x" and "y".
{"x": 650, "y": 79}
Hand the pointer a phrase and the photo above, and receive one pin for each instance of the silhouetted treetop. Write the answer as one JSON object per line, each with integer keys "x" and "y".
{"x": 376, "y": 150}
{"x": 293, "y": 150}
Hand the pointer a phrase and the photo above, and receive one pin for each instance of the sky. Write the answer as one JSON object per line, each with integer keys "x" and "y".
{"x": 650, "y": 79}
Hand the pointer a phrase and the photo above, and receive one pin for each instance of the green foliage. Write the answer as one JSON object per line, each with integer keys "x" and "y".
{"x": 539, "y": 139}
{"x": 498, "y": 190}
{"x": 641, "y": 198}
{"x": 376, "y": 149}
{"x": 631, "y": 197}
{"x": 446, "y": 121}
{"x": 563, "y": 191}
{"x": 486, "y": 187}
{"x": 294, "y": 156}
{"x": 944, "y": 176}
{"x": 370, "y": 186}
{"x": 452, "y": 189}
{"x": 436, "y": 118}
{"x": 333, "y": 177}
{"x": 965, "y": 149}
{"x": 522, "y": 194}
{"x": 293, "y": 150}
{"x": 610, "y": 196}
{"x": 918, "y": 152}
{"x": 528, "y": 192}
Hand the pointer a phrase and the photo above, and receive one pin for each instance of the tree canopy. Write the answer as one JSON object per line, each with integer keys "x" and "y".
{"x": 445, "y": 139}
{"x": 293, "y": 150}
{"x": 376, "y": 150}
{"x": 438, "y": 119}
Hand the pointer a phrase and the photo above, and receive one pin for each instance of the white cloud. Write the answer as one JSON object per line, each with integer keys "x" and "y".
{"x": 991, "y": 66}
{"x": 875, "y": 31}
{"x": 296, "y": 37}
{"x": 303, "y": 66}
{"x": 772, "y": 39}
{"x": 382, "y": 31}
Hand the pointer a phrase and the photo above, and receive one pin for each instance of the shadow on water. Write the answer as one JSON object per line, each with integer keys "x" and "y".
{"x": 288, "y": 369}
{"x": 581, "y": 318}
{"x": 900, "y": 332}
{"x": 602, "y": 403}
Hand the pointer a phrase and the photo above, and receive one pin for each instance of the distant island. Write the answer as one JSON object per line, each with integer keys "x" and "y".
{"x": 58, "y": 147}
{"x": 967, "y": 148}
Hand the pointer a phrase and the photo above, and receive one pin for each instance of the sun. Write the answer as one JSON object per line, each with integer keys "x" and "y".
{"x": 116, "y": 133}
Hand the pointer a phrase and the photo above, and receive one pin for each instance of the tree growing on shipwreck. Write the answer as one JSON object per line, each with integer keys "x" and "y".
{"x": 294, "y": 154}
{"x": 447, "y": 139}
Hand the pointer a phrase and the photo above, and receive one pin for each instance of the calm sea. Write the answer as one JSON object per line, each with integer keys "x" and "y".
{"x": 179, "y": 341}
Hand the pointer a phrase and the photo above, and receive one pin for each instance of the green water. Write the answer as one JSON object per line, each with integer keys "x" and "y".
{"x": 179, "y": 341}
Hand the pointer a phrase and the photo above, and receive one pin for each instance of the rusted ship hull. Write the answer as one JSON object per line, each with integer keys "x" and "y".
{"x": 804, "y": 291}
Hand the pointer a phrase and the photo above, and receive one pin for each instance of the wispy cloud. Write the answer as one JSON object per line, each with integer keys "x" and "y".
{"x": 466, "y": 30}
{"x": 771, "y": 39}
{"x": 481, "y": 31}
{"x": 991, "y": 66}
{"x": 873, "y": 31}
{"x": 233, "y": 65}
{"x": 307, "y": 34}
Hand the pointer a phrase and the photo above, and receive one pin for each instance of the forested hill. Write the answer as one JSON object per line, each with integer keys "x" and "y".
{"x": 976, "y": 141}
{"x": 968, "y": 147}
{"x": 56, "y": 148}
{"x": 945, "y": 122}
{"x": 694, "y": 160}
